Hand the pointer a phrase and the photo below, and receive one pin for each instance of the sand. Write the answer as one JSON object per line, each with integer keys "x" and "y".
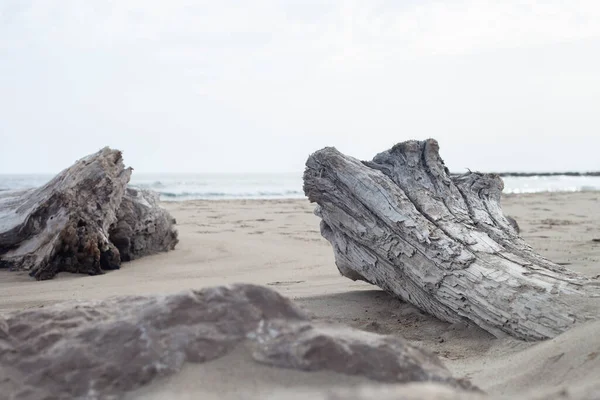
{"x": 277, "y": 243}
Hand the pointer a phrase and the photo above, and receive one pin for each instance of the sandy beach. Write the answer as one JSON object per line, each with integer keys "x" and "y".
{"x": 158, "y": 161}
{"x": 277, "y": 243}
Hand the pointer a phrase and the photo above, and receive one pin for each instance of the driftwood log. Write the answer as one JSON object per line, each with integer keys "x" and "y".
{"x": 66, "y": 224}
{"x": 442, "y": 243}
{"x": 142, "y": 226}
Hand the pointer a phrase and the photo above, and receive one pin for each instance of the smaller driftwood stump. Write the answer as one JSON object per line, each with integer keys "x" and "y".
{"x": 442, "y": 243}
{"x": 143, "y": 227}
{"x": 65, "y": 225}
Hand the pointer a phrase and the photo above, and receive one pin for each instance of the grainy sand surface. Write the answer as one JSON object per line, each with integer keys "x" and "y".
{"x": 277, "y": 243}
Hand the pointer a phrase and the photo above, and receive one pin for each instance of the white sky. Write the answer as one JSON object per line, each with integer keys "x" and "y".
{"x": 235, "y": 86}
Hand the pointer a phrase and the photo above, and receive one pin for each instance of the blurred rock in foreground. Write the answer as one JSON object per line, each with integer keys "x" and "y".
{"x": 97, "y": 349}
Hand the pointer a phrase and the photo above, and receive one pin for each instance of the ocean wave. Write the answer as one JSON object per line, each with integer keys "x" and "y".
{"x": 157, "y": 185}
{"x": 179, "y": 187}
{"x": 230, "y": 195}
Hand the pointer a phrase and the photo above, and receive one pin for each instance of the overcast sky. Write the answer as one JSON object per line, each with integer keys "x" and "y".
{"x": 235, "y": 86}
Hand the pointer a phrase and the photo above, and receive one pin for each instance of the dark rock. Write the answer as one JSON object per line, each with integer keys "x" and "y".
{"x": 308, "y": 346}
{"x": 97, "y": 349}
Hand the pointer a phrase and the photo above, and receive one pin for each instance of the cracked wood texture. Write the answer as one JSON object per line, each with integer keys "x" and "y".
{"x": 143, "y": 227}
{"x": 65, "y": 225}
{"x": 442, "y": 242}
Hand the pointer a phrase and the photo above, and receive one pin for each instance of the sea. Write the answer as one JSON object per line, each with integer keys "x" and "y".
{"x": 179, "y": 187}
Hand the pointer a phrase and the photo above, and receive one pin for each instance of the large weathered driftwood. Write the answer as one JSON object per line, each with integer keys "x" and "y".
{"x": 402, "y": 223}
{"x": 65, "y": 225}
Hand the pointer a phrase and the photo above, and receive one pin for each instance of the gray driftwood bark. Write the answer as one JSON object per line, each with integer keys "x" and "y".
{"x": 65, "y": 225}
{"x": 442, "y": 243}
{"x": 142, "y": 226}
